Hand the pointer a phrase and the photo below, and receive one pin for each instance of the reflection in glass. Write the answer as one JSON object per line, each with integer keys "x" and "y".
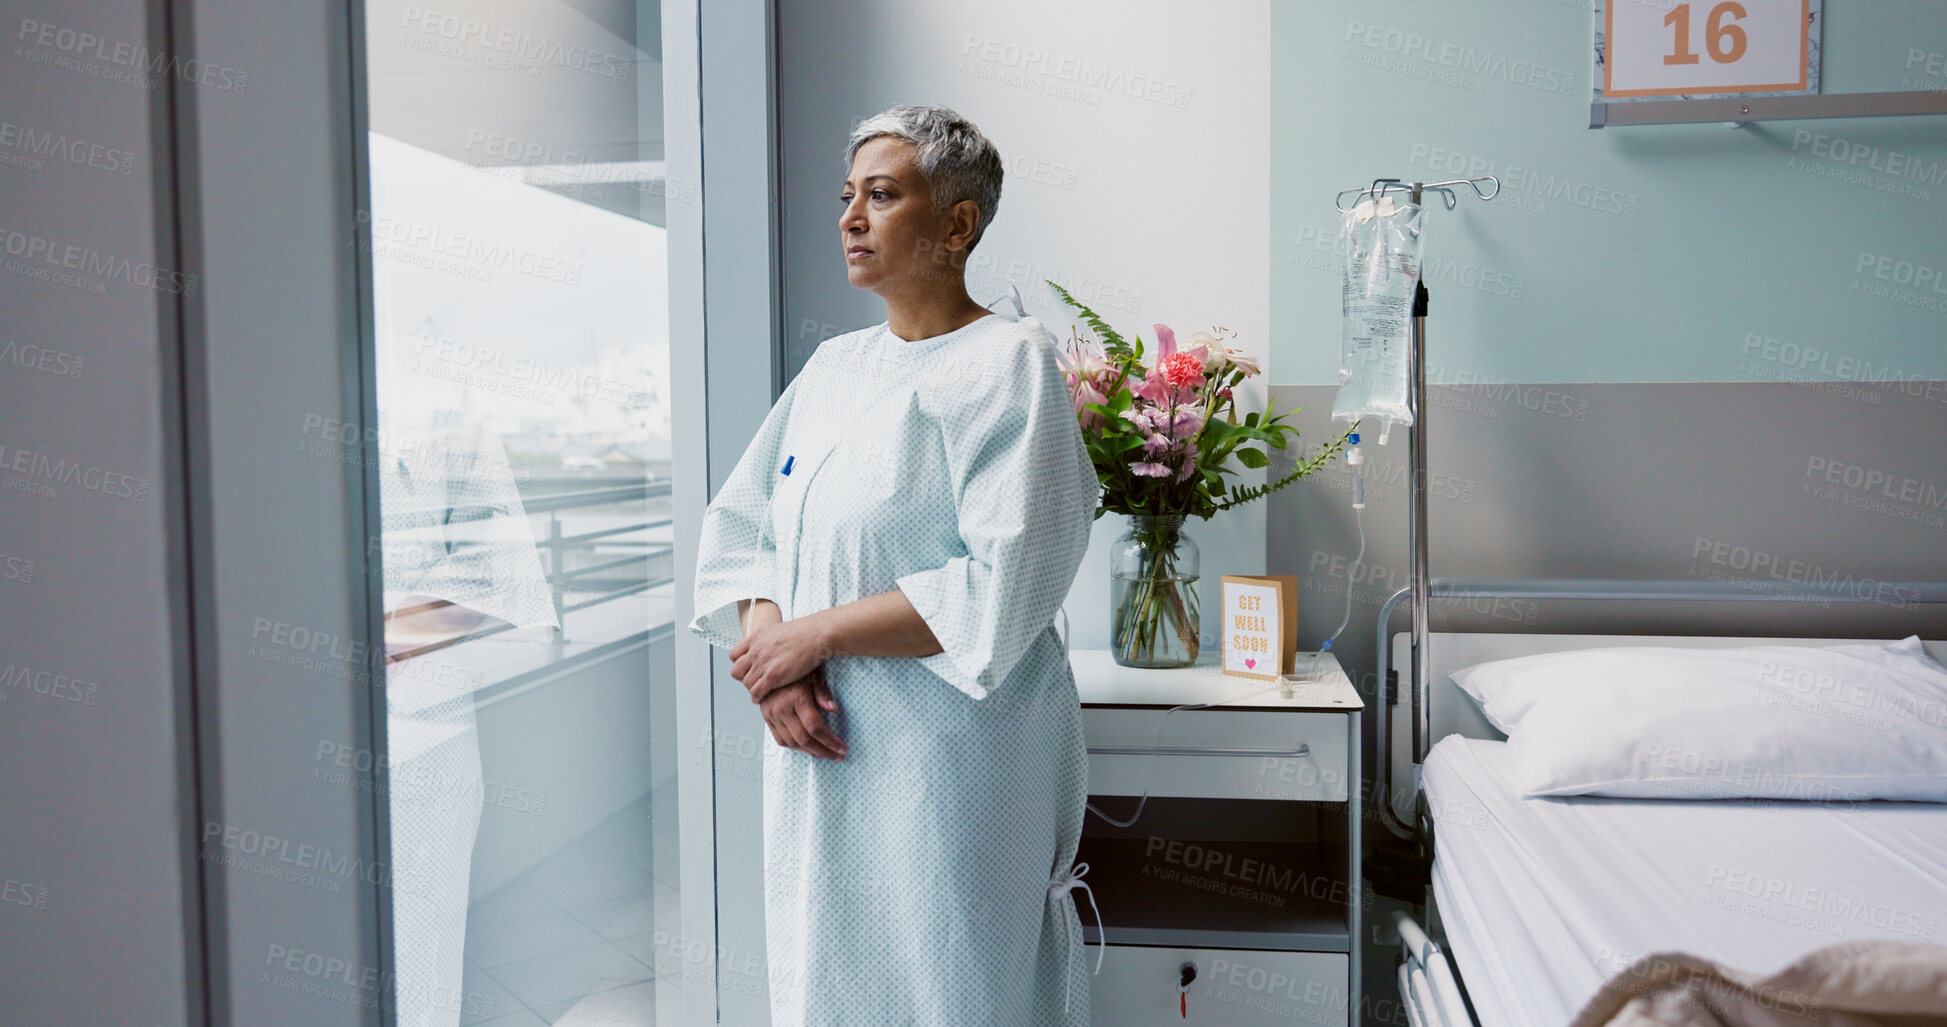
{"x": 522, "y": 355}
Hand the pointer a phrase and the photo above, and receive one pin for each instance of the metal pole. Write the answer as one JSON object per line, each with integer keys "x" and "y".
{"x": 1416, "y": 537}
{"x": 1421, "y": 541}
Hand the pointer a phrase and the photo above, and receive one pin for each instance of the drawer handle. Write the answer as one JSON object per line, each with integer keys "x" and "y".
{"x": 1191, "y": 750}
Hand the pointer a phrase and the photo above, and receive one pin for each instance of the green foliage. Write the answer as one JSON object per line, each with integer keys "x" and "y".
{"x": 1302, "y": 469}
{"x": 1113, "y": 343}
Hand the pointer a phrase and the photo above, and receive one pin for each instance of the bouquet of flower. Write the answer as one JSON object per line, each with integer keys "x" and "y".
{"x": 1163, "y": 435}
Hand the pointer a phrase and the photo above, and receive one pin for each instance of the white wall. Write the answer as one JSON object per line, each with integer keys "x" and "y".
{"x": 1137, "y": 176}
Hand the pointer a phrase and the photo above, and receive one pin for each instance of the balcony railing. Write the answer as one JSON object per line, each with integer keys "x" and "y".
{"x": 573, "y": 586}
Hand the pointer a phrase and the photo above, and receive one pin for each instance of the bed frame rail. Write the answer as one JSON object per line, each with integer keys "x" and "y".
{"x": 1428, "y": 988}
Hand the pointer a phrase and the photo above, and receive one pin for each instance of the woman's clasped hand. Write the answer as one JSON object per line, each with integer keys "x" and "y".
{"x": 781, "y": 664}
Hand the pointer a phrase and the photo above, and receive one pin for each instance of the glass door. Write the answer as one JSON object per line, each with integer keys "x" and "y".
{"x": 520, "y": 293}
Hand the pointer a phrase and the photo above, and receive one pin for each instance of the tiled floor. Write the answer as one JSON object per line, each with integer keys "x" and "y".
{"x": 572, "y": 942}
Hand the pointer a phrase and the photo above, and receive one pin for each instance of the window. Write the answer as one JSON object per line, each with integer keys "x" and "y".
{"x": 519, "y": 262}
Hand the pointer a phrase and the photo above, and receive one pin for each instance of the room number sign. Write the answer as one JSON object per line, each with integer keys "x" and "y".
{"x": 1666, "y": 48}
{"x": 1260, "y": 625}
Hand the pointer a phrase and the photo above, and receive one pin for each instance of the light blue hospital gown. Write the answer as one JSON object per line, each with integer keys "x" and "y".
{"x": 921, "y": 881}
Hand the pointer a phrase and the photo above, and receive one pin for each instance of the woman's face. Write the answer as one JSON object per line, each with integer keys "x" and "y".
{"x": 893, "y": 242}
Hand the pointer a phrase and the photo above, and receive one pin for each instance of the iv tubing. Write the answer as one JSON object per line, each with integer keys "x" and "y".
{"x": 1359, "y": 517}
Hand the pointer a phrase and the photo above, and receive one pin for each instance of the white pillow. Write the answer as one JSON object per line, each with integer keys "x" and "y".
{"x": 1839, "y": 723}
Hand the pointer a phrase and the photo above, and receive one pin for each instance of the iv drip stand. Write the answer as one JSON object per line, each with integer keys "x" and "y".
{"x": 1417, "y": 538}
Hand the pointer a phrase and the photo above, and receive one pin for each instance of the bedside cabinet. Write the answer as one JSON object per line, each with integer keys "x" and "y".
{"x": 1242, "y": 870}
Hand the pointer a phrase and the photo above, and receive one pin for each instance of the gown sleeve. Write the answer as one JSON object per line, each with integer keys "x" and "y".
{"x": 1024, "y": 491}
{"x": 736, "y": 555}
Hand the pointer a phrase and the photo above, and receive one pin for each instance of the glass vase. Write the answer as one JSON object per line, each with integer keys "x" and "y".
{"x": 1153, "y": 591}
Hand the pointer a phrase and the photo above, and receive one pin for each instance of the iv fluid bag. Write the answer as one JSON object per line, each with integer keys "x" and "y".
{"x": 1381, "y": 242}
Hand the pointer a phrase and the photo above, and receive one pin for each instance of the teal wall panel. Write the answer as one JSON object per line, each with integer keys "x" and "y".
{"x": 1806, "y": 250}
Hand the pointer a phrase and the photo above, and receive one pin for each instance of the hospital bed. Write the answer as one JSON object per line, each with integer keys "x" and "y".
{"x": 1534, "y": 903}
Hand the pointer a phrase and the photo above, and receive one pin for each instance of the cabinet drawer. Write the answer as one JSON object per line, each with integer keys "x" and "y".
{"x": 1127, "y": 754}
{"x": 1234, "y": 987}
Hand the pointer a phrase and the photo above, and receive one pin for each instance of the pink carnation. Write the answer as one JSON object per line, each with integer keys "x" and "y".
{"x": 1182, "y": 370}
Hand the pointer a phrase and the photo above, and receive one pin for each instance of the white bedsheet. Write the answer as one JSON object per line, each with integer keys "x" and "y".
{"x": 1544, "y": 899}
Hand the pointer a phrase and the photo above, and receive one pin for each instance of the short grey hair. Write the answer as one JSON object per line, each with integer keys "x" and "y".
{"x": 958, "y": 162}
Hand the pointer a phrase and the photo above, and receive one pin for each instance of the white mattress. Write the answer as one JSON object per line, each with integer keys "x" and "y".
{"x": 1544, "y": 899}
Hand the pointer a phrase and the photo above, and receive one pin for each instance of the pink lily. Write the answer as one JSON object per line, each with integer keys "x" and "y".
{"x": 1086, "y": 393}
{"x": 1154, "y": 388}
{"x": 1165, "y": 341}
{"x": 1245, "y": 362}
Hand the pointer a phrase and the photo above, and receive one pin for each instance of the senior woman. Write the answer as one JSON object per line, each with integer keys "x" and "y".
{"x": 885, "y": 564}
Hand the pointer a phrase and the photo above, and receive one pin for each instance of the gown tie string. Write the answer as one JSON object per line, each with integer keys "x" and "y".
{"x": 1064, "y": 886}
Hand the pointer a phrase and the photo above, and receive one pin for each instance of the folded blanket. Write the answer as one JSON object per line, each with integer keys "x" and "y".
{"x": 1858, "y": 984}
